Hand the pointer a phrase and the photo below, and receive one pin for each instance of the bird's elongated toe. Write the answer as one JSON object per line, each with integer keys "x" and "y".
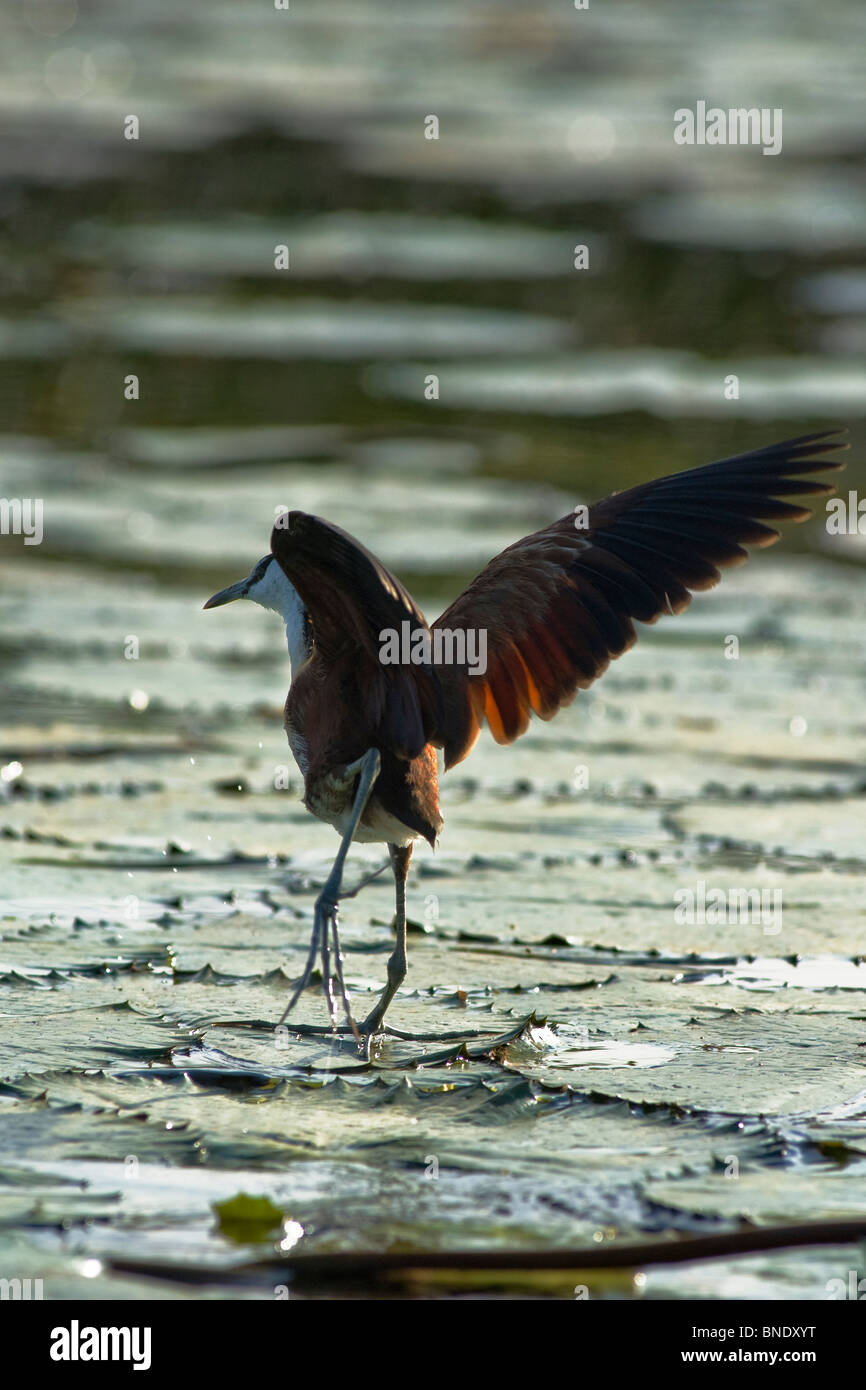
{"x": 325, "y": 944}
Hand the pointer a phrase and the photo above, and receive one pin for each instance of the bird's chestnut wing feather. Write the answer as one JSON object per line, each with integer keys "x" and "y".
{"x": 558, "y": 605}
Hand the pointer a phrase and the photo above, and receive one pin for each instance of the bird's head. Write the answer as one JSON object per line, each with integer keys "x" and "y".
{"x": 266, "y": 585}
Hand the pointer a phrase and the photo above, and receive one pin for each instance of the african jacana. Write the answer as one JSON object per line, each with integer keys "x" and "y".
{"x": 556, "y": 607}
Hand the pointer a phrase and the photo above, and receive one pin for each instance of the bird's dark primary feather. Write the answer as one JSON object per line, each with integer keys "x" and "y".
{"x": 558, "y": 605}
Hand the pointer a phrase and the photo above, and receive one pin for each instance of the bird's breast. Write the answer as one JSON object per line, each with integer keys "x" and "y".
{"x": 327, "y": 734}
{"x": 331, "y": 796}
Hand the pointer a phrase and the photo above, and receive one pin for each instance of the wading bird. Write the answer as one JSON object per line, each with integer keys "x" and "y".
{"x": 555, "y": 608}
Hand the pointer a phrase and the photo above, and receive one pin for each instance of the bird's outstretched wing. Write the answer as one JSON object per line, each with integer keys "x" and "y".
{"x": 558, "y": 605}
{"x": 352, "y": 598}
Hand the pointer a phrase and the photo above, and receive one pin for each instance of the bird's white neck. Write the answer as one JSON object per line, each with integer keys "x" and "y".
{"x": 274, "y": 591}
{"x": 296, "y": 633}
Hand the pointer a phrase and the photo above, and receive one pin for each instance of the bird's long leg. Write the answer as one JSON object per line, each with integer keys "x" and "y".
{"x": 327, "y": 982}
{"x": 400, "y": 856}
{"x": 338, "y": 969}
{"x": 325, "y": 912}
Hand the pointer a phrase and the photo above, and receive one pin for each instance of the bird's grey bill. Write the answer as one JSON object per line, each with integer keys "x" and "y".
{"x": 228, "y": 595}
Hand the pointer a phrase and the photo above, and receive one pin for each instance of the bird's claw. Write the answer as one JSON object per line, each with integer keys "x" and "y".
{"x": 371, "y": 1025}
{"x": 324, "y": 942}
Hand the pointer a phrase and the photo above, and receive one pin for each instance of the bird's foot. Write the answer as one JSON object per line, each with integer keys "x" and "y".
{"x": 372, "y": 1023}
{"x": 369, "y": 1031}
{"x": 325, "y": 944}
{"x": 396, "y": 975}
